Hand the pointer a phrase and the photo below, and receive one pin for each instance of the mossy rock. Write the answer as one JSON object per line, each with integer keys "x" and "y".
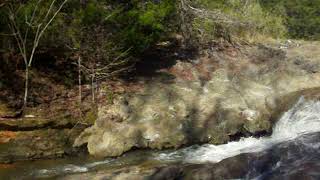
{"x": 91, "y": 117}
{"x": 5, "y": 110}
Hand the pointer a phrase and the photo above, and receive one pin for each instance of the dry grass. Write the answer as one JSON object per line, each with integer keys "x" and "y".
{"x": 239, "y": 21}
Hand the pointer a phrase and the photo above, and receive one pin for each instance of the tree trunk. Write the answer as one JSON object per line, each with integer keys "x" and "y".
{"x": 26, "y": 87}
{"x": 79, "y": 80}
{"x": 93, "y": 88}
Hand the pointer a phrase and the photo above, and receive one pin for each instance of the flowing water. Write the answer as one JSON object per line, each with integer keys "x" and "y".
{"x": 303, "y": 118}
{"x": 291, "y": 152}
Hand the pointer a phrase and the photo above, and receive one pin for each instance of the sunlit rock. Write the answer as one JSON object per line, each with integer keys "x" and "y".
{"x": 207, "y": 102}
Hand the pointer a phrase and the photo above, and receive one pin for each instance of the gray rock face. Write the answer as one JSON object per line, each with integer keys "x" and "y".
{"x": 209, "y": 101}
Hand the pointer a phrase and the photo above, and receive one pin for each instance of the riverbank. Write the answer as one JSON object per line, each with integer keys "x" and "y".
{"x": 291, "y": 151}
{"x": 214, "y": 96}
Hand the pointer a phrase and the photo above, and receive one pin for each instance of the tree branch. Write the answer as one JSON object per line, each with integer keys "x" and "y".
{"x": 37, "y": 39}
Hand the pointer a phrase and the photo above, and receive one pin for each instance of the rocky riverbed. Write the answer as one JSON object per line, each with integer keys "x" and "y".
{"x": 292, "y": 151}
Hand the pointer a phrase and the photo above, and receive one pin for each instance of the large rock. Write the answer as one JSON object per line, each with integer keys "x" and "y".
{"x": 213, "y": 99}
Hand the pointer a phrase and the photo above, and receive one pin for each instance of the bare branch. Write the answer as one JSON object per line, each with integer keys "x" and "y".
{"x": 35, "y": 45}
{"x": 37, "y": 39}
{"x": 48, "y": 12}
{"x": 16, "y": 32}
{"x": 116, "y": 61}
{"x": 31, "y": 21}
{"x": 4, "y": 34}
{"x": 21, "y": 39}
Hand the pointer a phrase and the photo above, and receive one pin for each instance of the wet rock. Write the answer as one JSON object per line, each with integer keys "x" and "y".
{"x": 170, "y": 173}
{"x": 5, "y": 110}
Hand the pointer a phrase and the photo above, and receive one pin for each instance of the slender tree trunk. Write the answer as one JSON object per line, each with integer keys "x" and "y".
{"x": 79, "y": 80}
{"x": 93, "y": 87}
{"x": 26, "y": 87}
{"x": 185, "y": 27}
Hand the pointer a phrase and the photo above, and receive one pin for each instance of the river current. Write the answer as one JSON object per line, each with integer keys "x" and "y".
{"x": 291, "y": 152}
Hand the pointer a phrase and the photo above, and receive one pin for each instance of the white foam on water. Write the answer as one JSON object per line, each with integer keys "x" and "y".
{"x": 94, "y": 164}
{"x": 302, "y": 119}
{"x": 74, "y": 168}
{"x": 69, "y": 168}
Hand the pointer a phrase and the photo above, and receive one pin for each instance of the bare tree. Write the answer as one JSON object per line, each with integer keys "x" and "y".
{"x": 98, "y": 72}
{"x": 22, "y": 33}
{"x": 97, "y": 57}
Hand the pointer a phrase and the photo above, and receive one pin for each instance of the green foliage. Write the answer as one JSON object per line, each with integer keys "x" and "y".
{"x": 4, "y": 38}
{"x": 302, "y": 16}
{"x": 144, "y": 23}
{"x": 83, "y": 20}
{"x": 136, "y": 24}
{"x": 126, "y": 24}
{"x": 28, "y": 15}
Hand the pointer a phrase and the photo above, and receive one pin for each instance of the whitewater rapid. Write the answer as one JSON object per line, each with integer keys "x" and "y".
{"x": 302, "y": 119}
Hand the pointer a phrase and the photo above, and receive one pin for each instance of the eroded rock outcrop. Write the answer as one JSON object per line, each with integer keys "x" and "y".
{"x": 47, "y": 130}
{"x": 210, "y": 100}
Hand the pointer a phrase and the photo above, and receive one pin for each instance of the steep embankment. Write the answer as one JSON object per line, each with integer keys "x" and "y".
{"x": 226, "y": 93}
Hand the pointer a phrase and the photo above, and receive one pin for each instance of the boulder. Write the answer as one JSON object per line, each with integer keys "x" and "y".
{"x": 210, "y": 100}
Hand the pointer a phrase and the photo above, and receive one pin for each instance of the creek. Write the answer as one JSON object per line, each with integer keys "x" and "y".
{"x": 291, "y": 152}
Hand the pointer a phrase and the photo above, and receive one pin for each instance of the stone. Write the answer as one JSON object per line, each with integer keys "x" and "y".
{"x": 243, "y": 95}
{"x": 25, "y": 145}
